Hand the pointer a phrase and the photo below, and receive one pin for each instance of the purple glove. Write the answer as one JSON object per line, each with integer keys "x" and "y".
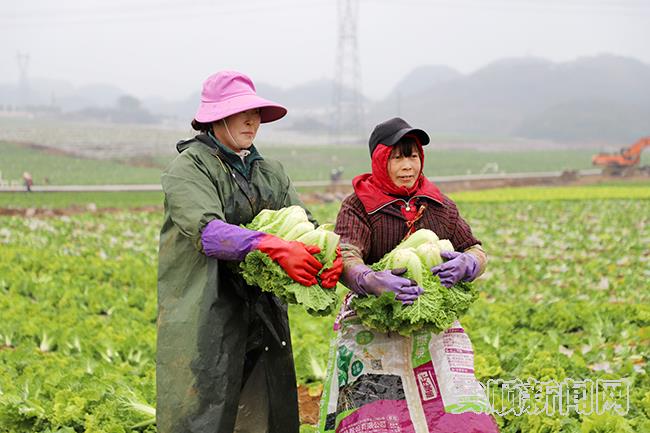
{"x": 459, "y": 267}
{"x": 363, "y": 281}
{"x": 230, "y": 242}
{"x": 227, "y": 241}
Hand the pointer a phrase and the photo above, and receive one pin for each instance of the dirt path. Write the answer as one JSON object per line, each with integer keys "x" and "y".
{"x": 339, "y": 192}
{"x": 72, "y": 210}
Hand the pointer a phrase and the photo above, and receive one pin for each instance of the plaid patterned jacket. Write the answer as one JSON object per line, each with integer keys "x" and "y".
{"x": 367, "y": 237}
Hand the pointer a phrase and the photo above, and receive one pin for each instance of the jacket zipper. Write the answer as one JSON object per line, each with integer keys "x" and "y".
{"x": 405, "y": 202}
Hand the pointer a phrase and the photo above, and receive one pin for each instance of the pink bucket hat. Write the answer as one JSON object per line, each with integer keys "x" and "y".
{"x": 230, "y": 92}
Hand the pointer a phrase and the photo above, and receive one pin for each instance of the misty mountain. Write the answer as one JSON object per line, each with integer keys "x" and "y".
{"x": 60, "y": 93}
{"x": 182, "y": 110}
{"x": 588, "y": 120}
{"x": 102, "y": 95}
{"x": 601, "y": 98}
{"x": 534, "y": 98}
{"x": 422, "y": 78}
{"x": 315, "y": 94}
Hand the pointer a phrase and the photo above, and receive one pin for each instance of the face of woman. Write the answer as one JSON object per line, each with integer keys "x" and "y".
{"x": 239, "y": 130}
{"x": 403, "y": 170}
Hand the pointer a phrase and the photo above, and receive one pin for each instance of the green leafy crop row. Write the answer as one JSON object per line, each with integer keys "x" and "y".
{"x": 566, "y": 295}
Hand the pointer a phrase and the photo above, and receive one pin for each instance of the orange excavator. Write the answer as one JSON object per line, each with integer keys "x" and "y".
{"x": 624, "y": 163}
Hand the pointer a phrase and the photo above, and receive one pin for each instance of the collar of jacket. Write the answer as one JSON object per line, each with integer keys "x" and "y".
{"x": 374, "y": 199}
{"x": 233, "y": 160}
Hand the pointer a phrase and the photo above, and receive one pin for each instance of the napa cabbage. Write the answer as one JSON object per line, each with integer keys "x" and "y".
{"x": 445, "y": 245}
{"x": 291, "y": 223}
{"x": 435, "y": 310}
{"x": 420, "y": 237}
{"x": 429, "y": 254}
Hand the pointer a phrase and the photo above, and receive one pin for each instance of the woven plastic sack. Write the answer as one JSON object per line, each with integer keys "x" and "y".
{"x": 387, "y": 383}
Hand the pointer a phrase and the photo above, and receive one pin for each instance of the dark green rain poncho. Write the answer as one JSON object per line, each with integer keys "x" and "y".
{"x": 212, "y": 327}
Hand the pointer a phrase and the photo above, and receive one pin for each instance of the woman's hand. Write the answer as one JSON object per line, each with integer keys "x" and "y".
{"x": 225, "y": 241}
{"x": 330, "y": 276}
{"x": 458, "y": 267}
{"x": 363, "y": 280}
{"x": 294, "y": 257}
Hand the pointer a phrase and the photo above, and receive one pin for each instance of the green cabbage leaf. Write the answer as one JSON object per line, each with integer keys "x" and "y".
{"x": 291, "y": 223}
{"x": 435, "y": 310}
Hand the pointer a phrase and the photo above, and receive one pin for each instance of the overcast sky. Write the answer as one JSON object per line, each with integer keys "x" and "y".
{"x": 167, "y": 47}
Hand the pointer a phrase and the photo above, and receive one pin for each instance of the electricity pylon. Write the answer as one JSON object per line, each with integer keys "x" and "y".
{"x": 23, "y": 64}
{"x": 348, "y": 104}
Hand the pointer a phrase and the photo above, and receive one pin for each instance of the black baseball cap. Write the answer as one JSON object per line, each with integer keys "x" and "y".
{"x": 391, "y": 131}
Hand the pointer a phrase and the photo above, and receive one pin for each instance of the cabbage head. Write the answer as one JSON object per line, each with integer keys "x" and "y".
{"x": 291, "y": 223}
{"x": 435, "y": 310}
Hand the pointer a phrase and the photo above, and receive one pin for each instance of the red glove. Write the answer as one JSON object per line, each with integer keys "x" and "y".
{"x": 330, "y": 276}
{"x": 294, "y": 257}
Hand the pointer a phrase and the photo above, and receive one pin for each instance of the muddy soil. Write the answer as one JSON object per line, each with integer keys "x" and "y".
{"x": 308, "y": 404}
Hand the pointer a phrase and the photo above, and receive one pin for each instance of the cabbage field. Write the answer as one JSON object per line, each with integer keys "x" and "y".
{"x": 566, "y": 298}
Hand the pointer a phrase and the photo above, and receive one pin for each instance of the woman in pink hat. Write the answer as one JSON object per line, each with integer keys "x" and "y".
{"x": 224, "y": 358}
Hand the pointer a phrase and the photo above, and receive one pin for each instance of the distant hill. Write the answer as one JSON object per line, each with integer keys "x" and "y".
{"x": 535, "y": 98}
{"x": 182, "y": 110}
{"x": 102, "y": 95}
{"x": 422, "y": 78}
{"x": 604, "y": 98}
{"x": 599, "y": 121}
{"x": 60, "y": 93}
{"x": 315, "y": 94}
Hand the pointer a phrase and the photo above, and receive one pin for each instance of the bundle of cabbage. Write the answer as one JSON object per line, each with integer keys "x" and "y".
{"x": 435, "y": 310}
{"x": 291, "y": 224}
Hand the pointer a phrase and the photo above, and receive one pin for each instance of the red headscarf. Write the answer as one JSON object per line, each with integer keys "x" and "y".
{"x": 376, "y": 189}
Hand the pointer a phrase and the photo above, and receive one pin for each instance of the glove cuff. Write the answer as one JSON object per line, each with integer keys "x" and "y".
{"x": 353, "y": 278}
{"x": 270, "y": 245}
{"x": 473, "y": 268}
{"x": 225, "y": 241}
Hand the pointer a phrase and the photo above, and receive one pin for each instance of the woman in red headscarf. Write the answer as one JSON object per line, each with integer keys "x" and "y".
{"x": 374, "y": 379}
{"x": 393, "y": 201}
